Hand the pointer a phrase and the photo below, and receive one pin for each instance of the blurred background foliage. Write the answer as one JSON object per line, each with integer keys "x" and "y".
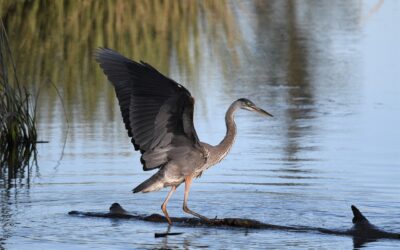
{"x": 53, "y": 41}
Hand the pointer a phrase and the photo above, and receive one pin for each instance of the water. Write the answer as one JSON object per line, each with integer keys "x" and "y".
{"x": 328, "y": 71}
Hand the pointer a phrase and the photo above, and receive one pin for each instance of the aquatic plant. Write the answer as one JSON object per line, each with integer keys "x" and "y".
{"x": 17, "y": 116}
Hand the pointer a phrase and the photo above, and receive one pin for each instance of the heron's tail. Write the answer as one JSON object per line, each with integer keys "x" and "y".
{"x": 154, "y": 183}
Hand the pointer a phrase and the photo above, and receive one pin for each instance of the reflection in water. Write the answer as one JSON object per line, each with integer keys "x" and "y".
{"x": 6, "y": 215}
{"x": 10, "y": 202}
{"x": 291, "y": 53}
{"x": 293, "y": 69}
{"x": 300, "y": 96}
{"x": 16, "y": 165}
{"x": 373, "y": 10}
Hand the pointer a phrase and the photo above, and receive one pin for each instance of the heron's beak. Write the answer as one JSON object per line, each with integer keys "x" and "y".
{"x": 262, "y": 111}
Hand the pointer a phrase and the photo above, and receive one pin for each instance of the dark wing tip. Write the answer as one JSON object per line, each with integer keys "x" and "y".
{"x": 99, "y": 53}
{"x": 103, "y": 55}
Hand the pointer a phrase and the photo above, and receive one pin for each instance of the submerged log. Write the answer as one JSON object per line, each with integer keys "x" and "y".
{"x": 116, "y": 211}
{"x": 362, "y": 231}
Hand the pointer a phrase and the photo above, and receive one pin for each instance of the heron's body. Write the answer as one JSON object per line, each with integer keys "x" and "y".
{"x": 158, "y": 114}
{"x": 174, "y": 173}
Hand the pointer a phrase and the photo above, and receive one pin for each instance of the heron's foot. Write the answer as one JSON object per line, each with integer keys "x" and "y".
{"x": 205, "y": 218}
{"x": 187, "y": 210}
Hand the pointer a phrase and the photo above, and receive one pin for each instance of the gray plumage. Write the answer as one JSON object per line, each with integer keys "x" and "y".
{"x": 158, "y": 115}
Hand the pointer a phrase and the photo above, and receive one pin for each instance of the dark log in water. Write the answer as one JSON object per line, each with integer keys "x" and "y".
{"x": 116, "y": 211}
{"x": 362, "y": 231}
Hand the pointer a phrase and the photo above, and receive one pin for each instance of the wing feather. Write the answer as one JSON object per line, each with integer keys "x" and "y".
{"x": 156, "y": 111}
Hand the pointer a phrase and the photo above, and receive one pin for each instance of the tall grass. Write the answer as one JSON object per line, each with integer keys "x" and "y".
{"x": 17, "y": 115}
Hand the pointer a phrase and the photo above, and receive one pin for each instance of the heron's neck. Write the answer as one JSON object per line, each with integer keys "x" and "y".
{"x": 225, "y": 145}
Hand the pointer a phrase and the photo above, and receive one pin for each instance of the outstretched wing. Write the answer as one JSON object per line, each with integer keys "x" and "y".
{"x": 157, "y": 111}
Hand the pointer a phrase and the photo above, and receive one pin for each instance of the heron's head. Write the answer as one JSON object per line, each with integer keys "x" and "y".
{"x": 249, "y": 105}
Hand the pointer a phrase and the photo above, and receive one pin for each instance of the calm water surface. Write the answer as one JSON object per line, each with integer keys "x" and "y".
{"x": 327, "y": 70}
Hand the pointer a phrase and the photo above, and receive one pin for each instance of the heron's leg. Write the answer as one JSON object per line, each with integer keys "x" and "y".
{"x": 164, "y": 205}
{"x": 188, "y": 182}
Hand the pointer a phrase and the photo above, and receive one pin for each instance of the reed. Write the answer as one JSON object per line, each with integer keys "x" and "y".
{"x": 17, "y": 115}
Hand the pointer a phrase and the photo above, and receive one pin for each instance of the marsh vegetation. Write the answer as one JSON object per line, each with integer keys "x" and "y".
{"x": 18, "y": 135}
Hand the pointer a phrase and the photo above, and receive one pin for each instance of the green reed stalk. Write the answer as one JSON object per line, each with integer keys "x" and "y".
{"x": 17, "y": 117}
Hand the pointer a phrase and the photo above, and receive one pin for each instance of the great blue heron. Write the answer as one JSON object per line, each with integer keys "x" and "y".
{"x": 158, "y": 114}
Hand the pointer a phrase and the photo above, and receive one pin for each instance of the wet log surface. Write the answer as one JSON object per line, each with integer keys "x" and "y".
{"x": 362, "y": 230}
